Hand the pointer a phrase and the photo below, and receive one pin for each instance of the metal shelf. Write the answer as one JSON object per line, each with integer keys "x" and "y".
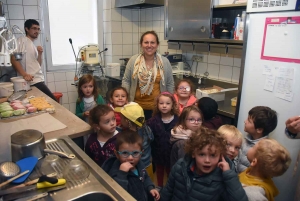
{"x": 231, "y": 5}
{"x": 207, "y": 40}
{"x": 215, "y": 40}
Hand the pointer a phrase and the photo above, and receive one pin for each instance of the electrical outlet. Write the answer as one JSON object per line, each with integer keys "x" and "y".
{"x": 194, "y": 58}
{"x": 197, "y": 58}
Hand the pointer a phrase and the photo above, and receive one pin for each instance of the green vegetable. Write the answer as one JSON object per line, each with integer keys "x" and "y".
{"x": 19, "y": 112}
{"x": 4, "y": 103}
{"x": 6, "y": 114}
{"x": 6, "y": 108}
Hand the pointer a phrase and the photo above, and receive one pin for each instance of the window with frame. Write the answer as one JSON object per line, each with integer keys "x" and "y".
{"x": 64, "y": 19}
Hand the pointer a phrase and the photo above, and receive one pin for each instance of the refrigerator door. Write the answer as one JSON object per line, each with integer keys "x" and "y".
{"x": 253, "y": 94}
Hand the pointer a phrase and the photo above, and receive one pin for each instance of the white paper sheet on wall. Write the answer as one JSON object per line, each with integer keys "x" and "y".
{"x": 267, "y": 70}
{"x": 285, "y": 83}
{"x": 282, "y": 78}
{"x": 269, "y": 83}
{"x": 270, "y": 73}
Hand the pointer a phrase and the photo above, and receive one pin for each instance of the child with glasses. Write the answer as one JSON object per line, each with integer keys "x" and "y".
{"x": 128, "y": 170}
{"x": 234, "y": 139}
{"x": 183, "y": 94}
{"x": 189, "y": 121}
{"x": 204, "y": 173}
{"x": 132, "y": 118}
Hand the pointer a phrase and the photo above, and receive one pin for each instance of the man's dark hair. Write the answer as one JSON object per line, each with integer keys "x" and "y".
{"x": 28, "y": 24}
{"x": 264, "y": 118}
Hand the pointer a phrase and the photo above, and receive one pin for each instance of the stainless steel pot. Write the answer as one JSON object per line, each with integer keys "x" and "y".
{"x": 31, "y": 142}
{"x": 27, "y": 143}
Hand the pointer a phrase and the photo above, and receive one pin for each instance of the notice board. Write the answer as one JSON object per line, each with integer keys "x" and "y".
{"x": 281, "y": 41}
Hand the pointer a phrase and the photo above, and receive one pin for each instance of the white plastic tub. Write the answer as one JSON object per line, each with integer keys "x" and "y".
{"x": 215, "y": 92}
{"x": 20, "y": 84}
{"x": 6, "y": 89}
{"x": 112, "y": 69}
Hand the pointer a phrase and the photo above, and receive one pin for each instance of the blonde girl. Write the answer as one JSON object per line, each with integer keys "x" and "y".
{"x": 184, "y": 94}
{"x": 165, "y": 117}
{"x": 189, "y": 121}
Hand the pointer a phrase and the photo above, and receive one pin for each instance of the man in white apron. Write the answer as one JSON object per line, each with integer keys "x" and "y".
{"x": 30, "y": 65}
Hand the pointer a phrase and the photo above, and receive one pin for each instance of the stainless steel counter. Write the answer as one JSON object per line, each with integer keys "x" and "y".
{"x": 224, "y": 107}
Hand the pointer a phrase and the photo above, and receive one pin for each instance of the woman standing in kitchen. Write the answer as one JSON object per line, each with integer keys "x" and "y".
{"x": 148, "y": 74}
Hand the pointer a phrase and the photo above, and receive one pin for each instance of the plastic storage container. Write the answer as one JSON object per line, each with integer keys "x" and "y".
{"x": 112, "y": 69}
{"x": 6, "y": 89}
{"x": 58, "y": 96}
{"x": 20, "y": 84}
{"x": 233, "y": 101}
{"x": 217, "y": 93}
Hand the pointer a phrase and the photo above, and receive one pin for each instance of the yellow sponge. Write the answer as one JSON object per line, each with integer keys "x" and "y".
{"x": 46, "y": 184}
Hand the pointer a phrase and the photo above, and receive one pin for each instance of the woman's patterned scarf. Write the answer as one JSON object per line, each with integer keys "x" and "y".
{"x": 147, "y": 77}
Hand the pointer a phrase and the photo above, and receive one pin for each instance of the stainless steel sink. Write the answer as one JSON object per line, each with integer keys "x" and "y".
{"x": 95, "y": 196}
{"x": 98, "y": 185}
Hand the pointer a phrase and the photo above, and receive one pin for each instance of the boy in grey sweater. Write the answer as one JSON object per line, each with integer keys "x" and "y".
{"x": 260, "y": 123}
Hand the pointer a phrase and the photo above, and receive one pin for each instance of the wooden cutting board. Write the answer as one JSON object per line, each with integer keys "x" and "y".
{"x": 2, "y": 100}
{"x": 44, "y": 123}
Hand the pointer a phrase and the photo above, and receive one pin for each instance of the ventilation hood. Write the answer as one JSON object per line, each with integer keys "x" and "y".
{"x": 138, "y": 3}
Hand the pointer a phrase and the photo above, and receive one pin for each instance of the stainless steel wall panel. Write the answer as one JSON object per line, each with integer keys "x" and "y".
{"x": 235, "y": 50}
{"x": 217, "y": 48}
{"x": 201, "y": 47}
{"x": 173, "y": 45}
{"x": 188, "y": 19}
{"x": 186, "y": 46}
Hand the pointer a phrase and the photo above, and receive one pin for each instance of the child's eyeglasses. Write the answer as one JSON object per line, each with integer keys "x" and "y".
{"x": 126, "y": 154}
{"x": 194, "y": 120}
{"x": 186, "y": 88}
